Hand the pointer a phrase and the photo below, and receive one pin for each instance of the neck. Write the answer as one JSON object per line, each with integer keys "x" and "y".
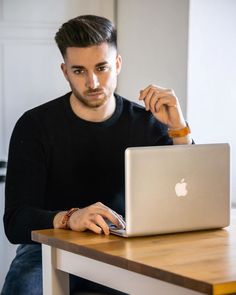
{"x": 98, "y": 114}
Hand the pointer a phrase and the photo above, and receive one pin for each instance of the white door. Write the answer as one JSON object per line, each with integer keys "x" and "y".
{"x": 30, "y": 69}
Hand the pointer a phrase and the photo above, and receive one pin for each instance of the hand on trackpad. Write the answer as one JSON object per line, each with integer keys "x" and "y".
{"x": 113, "y": 226}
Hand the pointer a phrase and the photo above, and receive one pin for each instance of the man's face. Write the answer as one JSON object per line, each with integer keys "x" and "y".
{"x": 92, "y": 73}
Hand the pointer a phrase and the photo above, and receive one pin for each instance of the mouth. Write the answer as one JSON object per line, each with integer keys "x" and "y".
{"x": 97, "y": 94}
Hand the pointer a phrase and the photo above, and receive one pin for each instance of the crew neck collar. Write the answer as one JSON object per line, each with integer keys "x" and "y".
{"x": 108, "y": 122}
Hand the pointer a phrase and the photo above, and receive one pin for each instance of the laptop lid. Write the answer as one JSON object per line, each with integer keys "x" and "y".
{"x": 176, "y": 188}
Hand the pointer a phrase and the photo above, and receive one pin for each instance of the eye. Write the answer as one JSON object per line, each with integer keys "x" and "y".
{"x": 102, "y": 68}
{"x": 78, "y": 71}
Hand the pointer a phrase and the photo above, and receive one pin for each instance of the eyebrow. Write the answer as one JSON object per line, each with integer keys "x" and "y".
{"x": 97, "y": 65}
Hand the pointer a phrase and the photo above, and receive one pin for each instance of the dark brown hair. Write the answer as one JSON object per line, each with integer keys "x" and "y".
{"x": 85, "y": 31}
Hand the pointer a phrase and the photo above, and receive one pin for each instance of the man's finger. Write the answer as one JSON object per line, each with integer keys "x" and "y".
{"x": 156, "y": 88}
{"x": 102, "y": 224}
{"x": 93, "y": 227}
{"x": 153, "y": 102}
{"x": 165, "y": 100}
{"x": 120, "y": 219}
{"x": 111, "y": 215}
{"x": 147, "y": 99}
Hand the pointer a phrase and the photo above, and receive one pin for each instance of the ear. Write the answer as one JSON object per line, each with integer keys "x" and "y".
{"x": 64, "y": 70}
{"x": 118, "y": 64}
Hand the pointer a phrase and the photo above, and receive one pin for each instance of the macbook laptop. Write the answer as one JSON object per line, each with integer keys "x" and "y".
{"x": 179, "y": 188}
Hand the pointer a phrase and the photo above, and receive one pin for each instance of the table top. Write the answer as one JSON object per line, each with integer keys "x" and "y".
{"x": 204, "y": 261}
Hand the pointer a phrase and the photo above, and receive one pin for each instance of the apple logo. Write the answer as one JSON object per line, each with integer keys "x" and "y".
{"x": 180, "y": 188}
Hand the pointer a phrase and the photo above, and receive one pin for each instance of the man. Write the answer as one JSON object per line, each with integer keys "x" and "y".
{"x": 69, "y": 152}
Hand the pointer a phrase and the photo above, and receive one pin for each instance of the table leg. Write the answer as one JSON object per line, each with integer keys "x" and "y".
{"x": 55, "y": 282}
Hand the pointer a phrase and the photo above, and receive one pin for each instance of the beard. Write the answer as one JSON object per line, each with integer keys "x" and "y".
{"x": 89, "y": 97}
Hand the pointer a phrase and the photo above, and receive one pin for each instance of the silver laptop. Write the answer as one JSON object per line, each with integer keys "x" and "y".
{"x": 177, "y": 188}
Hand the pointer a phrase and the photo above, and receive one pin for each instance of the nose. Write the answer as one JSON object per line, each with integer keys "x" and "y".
{"x": 92, "y": 81}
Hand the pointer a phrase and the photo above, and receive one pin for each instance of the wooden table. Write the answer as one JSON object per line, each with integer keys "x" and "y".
{"x": 185, "y": 263}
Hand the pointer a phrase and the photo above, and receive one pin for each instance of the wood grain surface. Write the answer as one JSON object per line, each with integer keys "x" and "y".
{"x": 204, "y": 261}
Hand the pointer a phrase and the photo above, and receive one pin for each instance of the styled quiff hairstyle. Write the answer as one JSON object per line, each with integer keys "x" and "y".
{"x": 85, "y": 31}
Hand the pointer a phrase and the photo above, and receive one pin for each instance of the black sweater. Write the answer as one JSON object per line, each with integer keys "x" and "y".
{"x": 58, "y": 161}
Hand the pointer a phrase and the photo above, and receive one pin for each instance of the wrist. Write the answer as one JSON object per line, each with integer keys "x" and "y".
{"x": 183, "y": 140}
{"x": 61, "y": 220}
{"x": 57, "y": 219}
{"x": 65, "y": 221}
{"x": 179, "y": 132}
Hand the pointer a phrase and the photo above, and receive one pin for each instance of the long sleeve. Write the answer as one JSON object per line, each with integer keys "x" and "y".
{"x": 25, "y": 183}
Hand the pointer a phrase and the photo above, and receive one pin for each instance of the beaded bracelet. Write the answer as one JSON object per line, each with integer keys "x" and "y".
{"x": 67, "y": 216}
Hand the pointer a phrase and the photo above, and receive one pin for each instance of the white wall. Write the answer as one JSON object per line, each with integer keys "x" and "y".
{"x": 190, "y": 46}
{"x": 211, "y": 106}
{"x": 153, "y": 41}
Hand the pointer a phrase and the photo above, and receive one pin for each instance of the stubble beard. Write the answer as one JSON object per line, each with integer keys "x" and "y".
{"x": 87, "y": 101}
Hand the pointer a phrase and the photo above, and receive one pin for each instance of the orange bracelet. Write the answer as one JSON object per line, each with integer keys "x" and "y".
{"x": 67, "y": 216}
{"x": 179, "y": 133}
